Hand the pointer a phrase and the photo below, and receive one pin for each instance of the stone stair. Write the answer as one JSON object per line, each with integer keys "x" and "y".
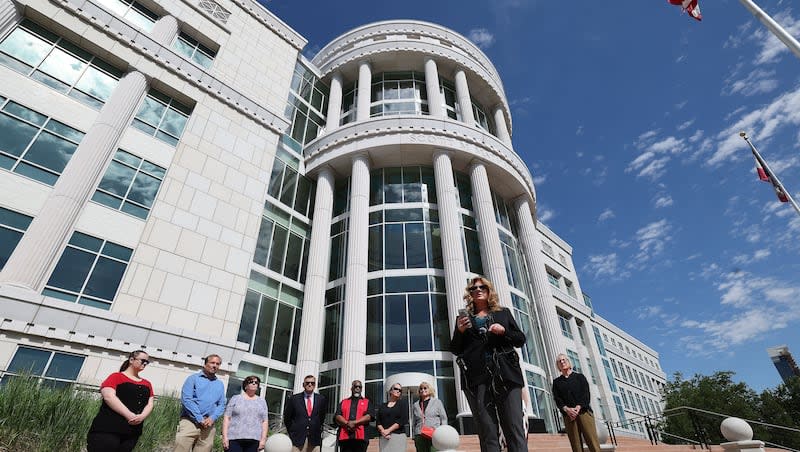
{"x": 558, "y": 443}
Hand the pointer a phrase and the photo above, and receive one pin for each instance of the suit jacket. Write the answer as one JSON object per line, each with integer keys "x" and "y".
{"x": 435, "y": 415}
{"x": 473, "y": 347}
{"x": 299, "y": 424}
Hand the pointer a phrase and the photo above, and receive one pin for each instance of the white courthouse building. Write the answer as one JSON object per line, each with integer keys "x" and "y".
{"x": 177, "y": 178}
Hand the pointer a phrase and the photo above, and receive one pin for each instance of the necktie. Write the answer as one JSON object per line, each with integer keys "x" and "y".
{"x": 308, "y": 405}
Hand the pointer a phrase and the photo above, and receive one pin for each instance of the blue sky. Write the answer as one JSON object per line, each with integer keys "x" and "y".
{"x": 628, "y": 115}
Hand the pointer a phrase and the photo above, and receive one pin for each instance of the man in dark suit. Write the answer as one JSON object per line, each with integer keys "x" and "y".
{"x": 303, "y": 416}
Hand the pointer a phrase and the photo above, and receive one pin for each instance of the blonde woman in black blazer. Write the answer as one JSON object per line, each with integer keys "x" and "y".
{"x": 427, "y": 411}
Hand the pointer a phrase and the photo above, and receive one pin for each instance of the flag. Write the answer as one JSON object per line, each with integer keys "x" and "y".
{"x": 764, "y": 176}
{"x": 760, "y": 170}
{"x": 689, "y": 6}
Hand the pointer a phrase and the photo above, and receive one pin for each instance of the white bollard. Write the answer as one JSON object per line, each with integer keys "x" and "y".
{"x": 278, "y": 443}
{"x": 740, "y": 435}
{"x": 445, "y": 439}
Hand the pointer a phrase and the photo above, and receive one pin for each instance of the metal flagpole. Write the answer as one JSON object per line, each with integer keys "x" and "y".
{"x": 773, "y": 178}
{"x": 773, "y": 26}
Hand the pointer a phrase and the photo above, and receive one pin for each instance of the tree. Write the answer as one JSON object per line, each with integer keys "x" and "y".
{"x": 780, "y": 406}
{"x": 717, "y": 393}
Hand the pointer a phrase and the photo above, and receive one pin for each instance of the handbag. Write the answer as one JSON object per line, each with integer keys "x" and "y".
{"x": 505, "y": 361}
{"x": 426, "y": 431}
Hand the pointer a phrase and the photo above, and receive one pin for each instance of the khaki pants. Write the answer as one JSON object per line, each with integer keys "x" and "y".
{"x": 306, "y": 448}
{"x": 582, "y": 425}
{"x": 191, "y": 438}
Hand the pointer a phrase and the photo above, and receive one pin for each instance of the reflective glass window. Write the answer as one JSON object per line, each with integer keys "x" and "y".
{"x": 56, "y": 369}
{"x": 448, "y": 91}
{"x": 130, "y": 184}
{"x": 134, "y": 12}
{"x": 282, "y": 243}
{"x": 193, "y": 50}
{"x": 34, "y": 145}
{"x": 482, "y": 120}
{"x": 89, "y": 271}
{"x": 404, "y": 238}
{"x": 12, "y": 226}
{"x": 306, "y": 105}
{"x": 270, "y": 323}
{"x": 162, "y": 117}
{"x": 56, "y": 62}
{"x": 398, "y": 93}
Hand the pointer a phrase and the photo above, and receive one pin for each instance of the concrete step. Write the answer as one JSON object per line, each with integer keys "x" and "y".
{"x": 559, "y": 443}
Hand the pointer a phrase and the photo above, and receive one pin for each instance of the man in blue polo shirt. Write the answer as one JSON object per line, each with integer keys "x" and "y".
{"x": 203, "y": 401}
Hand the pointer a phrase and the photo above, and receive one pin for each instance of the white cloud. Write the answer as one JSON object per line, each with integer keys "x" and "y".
{"x": 544, "y": 214}
{"x": 663, "y": 200}
{"x": 655, "y": 154}
{"x": 685, "y": 125}
{"x": 605, "y": 266}
{"x": 758, "y": 81}
{"x": 652, "y": 239}
{"x": 481, "y": 37}
{"x": 579, "y": 132}
{"x": 539, "y": 179}
{"x": 606, "y": 215}
{"x": 771, "y": 48}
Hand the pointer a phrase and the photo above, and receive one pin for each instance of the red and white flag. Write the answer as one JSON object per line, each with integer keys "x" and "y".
{"x": 689, "y": 6}
{"x": 760, "y": 170}
{"x": 767, "y": 177}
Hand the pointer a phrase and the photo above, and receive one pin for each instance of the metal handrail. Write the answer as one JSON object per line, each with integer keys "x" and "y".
{"x": 749, "y": 421}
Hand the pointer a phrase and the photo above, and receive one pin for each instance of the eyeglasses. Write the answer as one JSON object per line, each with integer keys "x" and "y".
{"x": 309, "y": 383}
{"x": 478, "y": 287}
{"x": 397, "y": 389}
{"x": 423, "y": 389}
{"x": 252, "y": 382}
{"x": 143, "y": 361}
{"x": 356, "y": 386}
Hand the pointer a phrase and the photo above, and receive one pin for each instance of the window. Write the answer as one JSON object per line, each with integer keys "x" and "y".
{"x": 482, "y": 120}
{"x": 404, "y": 238}
{"x": 34, "y": 145}
{"x": 59, "y": 64}
{"x": 576, "y": 361}
{"x": 193, "y": 50}
{"x": 570, "y": 288}
{"x": 306, "y": 106}
{"x": 398, "y": 93}
{"x": 599, "y": 340}
{"x": 402, "y": 185}
{"x": 562, "y": 259}
{"x": 590, "y": 368}
{"x": 12, "y": 226}
{"x": 611, "y": 382}
{"x": 625, "y": 398}
{"x": 270, "y": 324}
{"x": 553, "y": 280}
{"x": 614, "y": 366}
{"x": 89, "y": 271}
{"x": 162, "y": 117}
{"x": 450, "y": 105}
{"x": 547, "y": 248}
{"x": 565, "y": 327}
{"x": 130, "y": 184}
{"x": 620, "y": 411}
{"x": 290, "y": 188}
{"x": 283, "y": 243}
{"x": 132, "y": 11}
{"x": 55, "y": 369}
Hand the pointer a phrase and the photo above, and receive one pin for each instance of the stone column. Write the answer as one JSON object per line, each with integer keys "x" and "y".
{"x": 435, "y": 101}
{"x": 464, "y": 101}
{"x": 454, "y": 265}
{"x": 37, "y": 252}
{"x": 545, "y": 305}
{"x": 334, "y": 103}
{"x": 312, "y": 326}
{"x": 9, "y": 16}
{"x": 501, "y": 126}
{"x": 364, "y": 92}
{"x": 491, "y": 253}
{"x": 165, "y": 30}
{"x": 354, "y": 346}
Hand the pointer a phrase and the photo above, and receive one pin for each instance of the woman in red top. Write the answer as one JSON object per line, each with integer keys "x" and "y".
{"x": 127, "y": 401}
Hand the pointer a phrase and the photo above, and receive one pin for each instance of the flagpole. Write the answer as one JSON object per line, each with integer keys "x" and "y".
{"x": 773, "y": 26}
{"x": 769, "y": 172}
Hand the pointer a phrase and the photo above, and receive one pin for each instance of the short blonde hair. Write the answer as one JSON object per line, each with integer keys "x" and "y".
{"x": 494, "y": 304}
{"x": 558, "y": 358}
{"x": 431, "y": 391}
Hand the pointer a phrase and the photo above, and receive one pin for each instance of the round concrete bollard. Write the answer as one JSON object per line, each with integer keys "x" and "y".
{"x": 445, "y": 438}
{"x": 602, "y": 432}
{"x": 735, "y": 429}
{"x": 278, "y": 443}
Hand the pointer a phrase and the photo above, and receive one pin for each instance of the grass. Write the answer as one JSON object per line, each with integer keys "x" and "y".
{"x": 38, "y": 418}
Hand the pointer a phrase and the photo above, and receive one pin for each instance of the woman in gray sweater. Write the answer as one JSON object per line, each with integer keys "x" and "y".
{"x": 427, "y": 412}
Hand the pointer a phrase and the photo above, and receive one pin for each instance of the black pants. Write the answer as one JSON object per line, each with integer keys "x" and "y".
{"x": 353, "y": 445}
{"x": 110, "y": 442}
{"x": 243, "y": 445}
{"x": 487, "y": 408}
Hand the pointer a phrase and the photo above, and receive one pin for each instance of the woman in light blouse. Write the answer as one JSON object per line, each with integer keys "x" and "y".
{"x": 428, "y": 411}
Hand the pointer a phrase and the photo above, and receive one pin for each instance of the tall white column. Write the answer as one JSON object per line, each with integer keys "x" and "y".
{"x": 455, "y": 277}
{"x": 36, "y": 253}
{"x": 545, "y": 305}
{"x": 9, "y": 16}
{"x": 312, "y": 326}
{"x": 464, "y": 102}
{"x": 354, "y": 346}
{"x": 435, "y": 101}
{"x": 165, "y": 30}
{"x": 491, "y": 253}
{"x": 364, "y": 91}
{"x": 334, "y": 103}
{"x": 501, "y": 126}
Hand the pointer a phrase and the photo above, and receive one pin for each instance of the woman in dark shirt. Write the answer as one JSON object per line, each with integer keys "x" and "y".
{"x": 391, "y": 419}
{"x": 484, "y": 341}
{"x": 127, "y": 401}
